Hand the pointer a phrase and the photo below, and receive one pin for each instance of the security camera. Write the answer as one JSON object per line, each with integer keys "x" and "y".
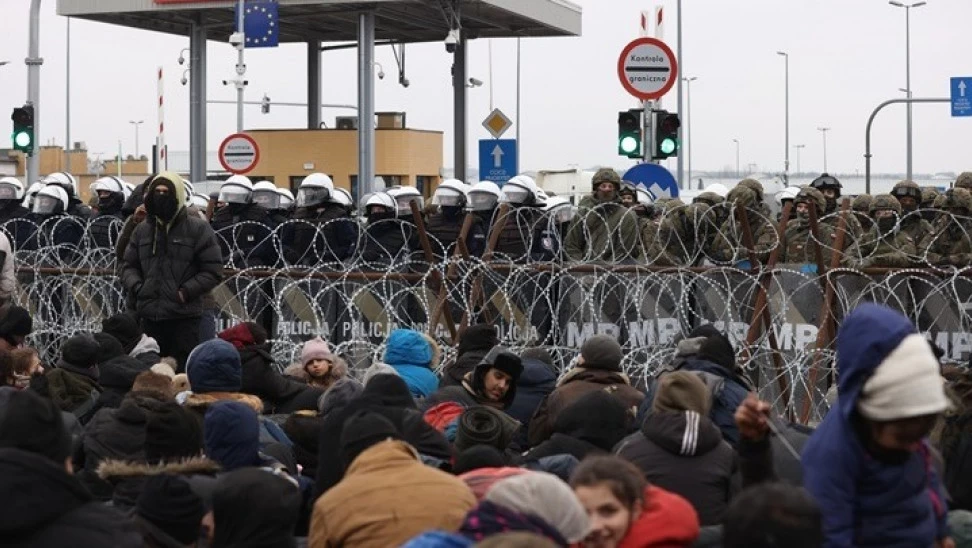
{"x": 236, "y": 38}
{"x": 184, "y": 80}
{"x": 405, "y": 83}
{"x": 475, "y": 82}
{"x": 452, "y": 41}
{"x": 182, "y": 60}
{"x": 381, "y": 74}
{"x": 226, "y": 82}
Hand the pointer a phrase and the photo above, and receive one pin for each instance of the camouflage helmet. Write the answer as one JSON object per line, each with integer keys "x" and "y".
{"x": 753, "y": 185}
{"x": 606, "y": 175}
{"x": 709, "y": 198}
{"x": 808, "y": 194}
{"x": 862, "y": 203}
{"x": 742, "y": 194}
{"x": 956, "y": 197}
{"x": 907, "y": 189}
{"x": 826, "y": 181}
{"x": 669, "y": 204}
{"x": 885, "y": 201}
{"x": 964, "y": 180}
{"x": 628, "y": 189}
{"x": 928, "y": 196}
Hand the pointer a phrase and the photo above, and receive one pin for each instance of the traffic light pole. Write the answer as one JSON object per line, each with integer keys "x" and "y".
{"x": 870, "y": 121}
{"x": 34, "y": 61}
{"x": 647, "y": 136}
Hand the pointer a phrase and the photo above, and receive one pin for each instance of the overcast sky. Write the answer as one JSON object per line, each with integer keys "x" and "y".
{"x": 846, "y": 56}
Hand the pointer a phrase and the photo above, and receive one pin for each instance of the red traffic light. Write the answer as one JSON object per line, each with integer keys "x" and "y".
{"x": 23, "y": 116}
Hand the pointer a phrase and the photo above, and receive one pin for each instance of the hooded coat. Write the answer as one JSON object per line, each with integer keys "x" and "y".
{"x": 866, "y": 502}
{"x": 163, "y": 259}
{"x": 592, "y": 425}
{"x": 666, "y": 520}
{"x": 683, "y": 452}
{"x": 254, "y": 508}
{"x": 259, "y": 376}
{"x": 469, "y": 393}
{"x": 536, "y": 382}
{"x": 127, "y": 478}
{"x": 474, "y": 343}
{"x": 414, "y": 356}
{"x": 50, "y": 508}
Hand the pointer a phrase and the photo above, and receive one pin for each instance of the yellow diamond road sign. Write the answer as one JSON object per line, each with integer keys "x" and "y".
{"x": 497, "y": 123}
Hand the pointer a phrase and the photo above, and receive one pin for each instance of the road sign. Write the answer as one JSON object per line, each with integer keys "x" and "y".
{"x": 497, "y": 160}
{"x": 497, "y": 123}
{"x": 658, "y": 180}
{"x": 239, "y": 153}
{"x": 647, "y": 68}
{"x": 962, "y": 96}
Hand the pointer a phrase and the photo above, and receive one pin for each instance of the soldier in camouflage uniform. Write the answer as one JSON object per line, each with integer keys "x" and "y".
{"x": 908, "y": 194}
{"x": 928, "y": 196}
{"x": 861, "y": 206}
{"x": 629, "y": 196}
{"x": 604, "y": 230}
{"x": 964, "y": 180}
{"x": 728, "y": 245}
{"x": 685, "y": 231}
{"x": 883, "y": 245}
{"x": 952, "y": 244}
{"x": 800, "y": 242}
{"x": 651, "y": 243}
{"x": 830, "y": 187}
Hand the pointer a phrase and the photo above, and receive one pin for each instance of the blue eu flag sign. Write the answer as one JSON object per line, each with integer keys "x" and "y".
{"x": 260, "y": 23}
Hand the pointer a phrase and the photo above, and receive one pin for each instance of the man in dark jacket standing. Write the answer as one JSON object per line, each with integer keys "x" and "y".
{"x": 172, "y": 261}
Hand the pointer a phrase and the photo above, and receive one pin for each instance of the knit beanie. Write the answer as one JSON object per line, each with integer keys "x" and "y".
{"x": 681, "y": 391}
{"x": 80, "y": 351}
{"x": 125, "y": 328}
{"x": 718, "y": 350}
{"x": 168, "y": 503}
{"x": 339, "y": 394}
{"x": 481, "y": 336}
{"x": 378, "y": 368}
{"x": 602, "y": 352}
{"x": 906, "y": 384}
{"x": 315, "y": 349}
{"x": 546, "y": 497}
{"x": 16, "y": 321}
{"x": 171, "y": 434}
{"x": 482, "y": 425}
{"x": 479, "y": 456}
{"x": 362, "y": 431}
{"x": 32, "y": 423}
{"x": 110, "y": 347}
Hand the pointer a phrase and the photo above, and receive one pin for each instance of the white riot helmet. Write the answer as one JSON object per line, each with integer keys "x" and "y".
{"x": 266, "y": 196}
{"x": 48, "y": 198}
{"x": 643, "y": 196}
{"x": 382, "y": 199}
{"x": 404, "y": 196}
{"x": 450, "y": 193}
{"x": 541, "y": 198}
{"x": 787, "y": 194}
{"x": 520, "y": 190}
{"x": 31, "y": 193}
{"x": 236, "y": 190}
{"x": 718, "y": 188}
{"x": 11, "y": 189}
{"x": 201, "y": 201}
{"x": 129, "y": 188}
{"x": 559, "y": 209}
{"x": 113, "y": 186}
{"x": 314, "y": 190}
{"x": 65, "y": 181}
{"x": 342, "y": 198}
{"x": 484, "y": 196}
{"x": 286, "y": 198}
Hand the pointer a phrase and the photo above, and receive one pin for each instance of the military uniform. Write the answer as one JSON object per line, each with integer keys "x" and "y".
{"x": 952, "y": 243}
{"x": 883, "y": 246}
{"x": 728, "y": 244}
{"x": 800, "y": 242}
{"x": 912, "y": 223}
{"x": 604, "y": 230}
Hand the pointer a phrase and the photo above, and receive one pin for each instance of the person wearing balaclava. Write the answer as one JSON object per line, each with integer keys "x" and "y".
{"x": 801, "y": 241}
{"x": 388, "y": 239}
{"x": 885, "y": 245}
{"x": 445, "y": 219}
{"x": 107, "y": 225}
{"x": 243, "y": 228}
{"x": 172, "y": 261}
{"x": 908, "y": 194}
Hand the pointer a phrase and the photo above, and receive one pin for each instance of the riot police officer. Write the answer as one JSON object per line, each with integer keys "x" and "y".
{"x": 244, "y": 229}
{"x": 445, "y": 221}
{"x": 520, "y": 235}
{"x": 107, "y": 224}
{"x": 325, "y": 232}
{"x": 389, "y": 238}
{"x": 70, "y": 186}
{"x": 265, "y": 196}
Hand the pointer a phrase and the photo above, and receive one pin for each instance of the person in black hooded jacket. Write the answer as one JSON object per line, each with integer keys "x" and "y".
{"x": 389, "y": 396}
{"x": 592, "y": 425}
{"x": 117, "y": 371}
{"x": 47, "y": 506}
{"x": 474, "y": 343}
{"x": 254, "y": 508}
{"x": 73, "y": 384}
{"x": 492, "y": 383}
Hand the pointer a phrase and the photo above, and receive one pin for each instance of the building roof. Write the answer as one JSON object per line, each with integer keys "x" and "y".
{"x": 336, "y": 20}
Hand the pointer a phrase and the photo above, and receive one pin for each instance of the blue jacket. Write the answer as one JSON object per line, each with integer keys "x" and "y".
{"x": 214, "y": 366}
{"x": 866, "y": 502}
{"x": 535, "y": 383}
{"x": 232, "y": 435}
{"x": 411, "y": 355}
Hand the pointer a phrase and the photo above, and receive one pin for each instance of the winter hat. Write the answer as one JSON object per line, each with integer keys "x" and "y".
{"x": 704, "y": 330}
{"x": 315, "y": 349}
{"x": 125, "y": 328}
{"x": 389, "y": 391}
{"x": 232, "y": 434}
{"x": 180, "y": 383}
{"x": 543, "y": 495}
{"x": 906, "y": 384}
{"x": 681, "y": 391}
{"x": 540, "y": 354}
{"x": 606, "y": 175}
{"x": 32, "y": 423}
{"x": 255, "y": 507}
{"x": 148, "y": 382}
{"x": 120, "y": 374}
{"x": 481, "y": 425}
{"x": 15, "y": 321}
{"x": 80, "y": 352}
{"x": 378, "y": 368}
{"x": 171, "y": 434}
{"x": 163, "y": 368}
{"x": 479, "y": 456}
{"x": 481, "y": 336}
{"x": 718, "y": 350}
{"x": 110, "y": 347}
{"x": 168, "y": 503}
{"x": 214, "y": 366}
{"x": 362, "y": 431}
{"x": 598, "y": 417}
{"x": 244, "y": 334}
{"x": 408, "y": 347}
{"x": 602, "y": 352}
{"x": 502, "y": 359}
{"x": 339, "y": 394}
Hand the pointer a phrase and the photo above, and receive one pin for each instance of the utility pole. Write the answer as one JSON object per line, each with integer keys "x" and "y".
{"x": 798, "y": 147}
{"x": 907, "y": 8}
{"x": 34, "y": 62}
{"x": 240, "y": 65}
{"x": 824, "y": 130}
{"x": 737, "y": 156}
{"x": 688, "y": 116}
{"x": 786, "y": 162}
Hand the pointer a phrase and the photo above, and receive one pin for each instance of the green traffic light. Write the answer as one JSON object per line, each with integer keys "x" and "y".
{"x": 668, "y": 146}
{"x": 22, "y": 139}
{"x": 629, "y": 144}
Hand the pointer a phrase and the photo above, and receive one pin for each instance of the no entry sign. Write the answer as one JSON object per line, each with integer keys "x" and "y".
{"x": 647, "y": 68}
{"x": 239, "y": 153}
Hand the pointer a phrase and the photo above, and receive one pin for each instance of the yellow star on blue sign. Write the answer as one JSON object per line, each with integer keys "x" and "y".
{"x": 259, "y": 24}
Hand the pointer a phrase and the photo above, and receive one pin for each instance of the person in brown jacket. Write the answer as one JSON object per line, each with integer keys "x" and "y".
{"x": 387, "y": 495}
{"x": 597, "y": 368}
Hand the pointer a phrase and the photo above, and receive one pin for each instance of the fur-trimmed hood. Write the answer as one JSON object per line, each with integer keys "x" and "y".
{"x": 117, "y": 470}
{"x": 201, "y": 402}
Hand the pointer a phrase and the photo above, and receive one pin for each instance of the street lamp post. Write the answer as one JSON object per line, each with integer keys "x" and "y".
{"x": 907, "y": 8}
{"x": 824, "y": 131}
{"x": 798, "y": 147}
{"x": 786, "y": 161}
{"x": 688, "y": 115}
{"x": 737, "y": 156}
{"x": 136, "y": 124}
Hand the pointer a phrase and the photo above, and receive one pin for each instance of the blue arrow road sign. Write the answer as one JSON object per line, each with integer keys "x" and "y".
{"x": 962, "y": 96}
{"x": 657, "y": 180}
{"x": 497, "y": 160}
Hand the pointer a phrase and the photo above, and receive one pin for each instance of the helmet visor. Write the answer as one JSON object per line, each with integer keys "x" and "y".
{"x": 312, "y": 196}
{"x": 482, "y": 201}
{"x": 7, "y": 192}
{"x": 403, "y": 204}
{"x": 515, "y": 194}
{"x": 563, "y": 214}
{"x": 45, "y": 205}
{"x": 267, "y": 199}
{"x": 448, "y": 199}
{"x": 234, "y": 195}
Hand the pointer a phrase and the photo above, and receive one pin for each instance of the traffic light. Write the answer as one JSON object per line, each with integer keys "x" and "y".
{"x": 265, "y": 104}
{"x": 666, "y": 143}
{"x": 629, "y": 133}
{"x": 23, "y": 129}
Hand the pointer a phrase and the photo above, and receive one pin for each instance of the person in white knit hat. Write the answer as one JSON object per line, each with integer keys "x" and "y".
{"x": 869, "y": 464}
